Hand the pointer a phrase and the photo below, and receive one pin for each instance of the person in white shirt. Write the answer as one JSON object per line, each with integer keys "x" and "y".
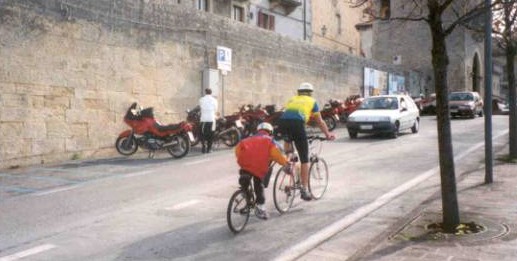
{"x": 208, "y": 105}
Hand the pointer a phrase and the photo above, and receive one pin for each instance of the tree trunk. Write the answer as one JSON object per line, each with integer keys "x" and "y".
{"x": 447, "y": 174}
{"x": 511, "y": 50}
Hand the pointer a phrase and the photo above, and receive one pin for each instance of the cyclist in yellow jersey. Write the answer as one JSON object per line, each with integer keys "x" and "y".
{"x": 291, "y": 128}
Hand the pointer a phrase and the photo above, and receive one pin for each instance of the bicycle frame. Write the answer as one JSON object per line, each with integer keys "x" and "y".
{"x": 286, "y": 185}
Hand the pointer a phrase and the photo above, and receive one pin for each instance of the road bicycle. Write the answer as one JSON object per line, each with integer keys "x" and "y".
{"x": 287, "y": 185}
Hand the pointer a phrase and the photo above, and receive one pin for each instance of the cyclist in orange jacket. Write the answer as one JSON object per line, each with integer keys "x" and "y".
{"x": 254, "y": 155}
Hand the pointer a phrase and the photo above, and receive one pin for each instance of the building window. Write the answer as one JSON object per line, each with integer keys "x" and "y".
{"x": 338, "y": 20}
{"x": 202, "y": 5}
{"x": 238, "y": 13}
{"x": 385, "y": 9}
{"x": 266, "y": 21}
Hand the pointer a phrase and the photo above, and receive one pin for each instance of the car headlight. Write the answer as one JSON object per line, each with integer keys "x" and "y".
{"x": 350, "y": 118}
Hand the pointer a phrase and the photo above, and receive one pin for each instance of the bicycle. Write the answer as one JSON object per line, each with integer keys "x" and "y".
{"x": 287, "y": 185}
{"x": 242, "y": 203}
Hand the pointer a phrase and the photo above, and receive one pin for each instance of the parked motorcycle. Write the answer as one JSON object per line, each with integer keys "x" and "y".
{"x": 351, "y": 104}
{"x": 146, "y": 132}
{"x": 273, "y": 115}
{"x": 227, "y": 130}
{"x": 252, "y": 116}
{"x": 329, "y": 114}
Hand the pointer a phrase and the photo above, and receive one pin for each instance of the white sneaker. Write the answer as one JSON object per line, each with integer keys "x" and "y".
{"x": 261, "y": 212}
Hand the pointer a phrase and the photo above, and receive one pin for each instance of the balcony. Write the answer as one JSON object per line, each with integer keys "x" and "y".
{"x": 289, "y": 5}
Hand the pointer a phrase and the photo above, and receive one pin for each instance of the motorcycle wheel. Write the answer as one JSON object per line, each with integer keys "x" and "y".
{"x": 231, "y": 137}
{"x": 331, "y": 123}
{"x": 126, "y": 145}
{"x": 181, "y": 146}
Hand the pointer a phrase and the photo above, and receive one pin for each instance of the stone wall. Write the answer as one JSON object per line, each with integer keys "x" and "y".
{"x": 70, "y": 68}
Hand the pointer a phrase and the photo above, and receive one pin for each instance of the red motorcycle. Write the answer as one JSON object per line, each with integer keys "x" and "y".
{"x": 227, "y": 130}
{"x": 329, "y": 114}
{"x": 273, "y": 115}
{"x": 351, "y": 104}
{"x": 252, "y": 116}
{"x": 146, "y": 132}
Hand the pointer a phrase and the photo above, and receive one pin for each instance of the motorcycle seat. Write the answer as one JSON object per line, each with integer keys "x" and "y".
{"x": 170, "y": 127}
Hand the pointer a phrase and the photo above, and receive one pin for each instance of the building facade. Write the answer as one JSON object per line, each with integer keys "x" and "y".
{"x": 290, "y": 18}
{"x": 333, "y": 26}
{"x": 408, "y": 44}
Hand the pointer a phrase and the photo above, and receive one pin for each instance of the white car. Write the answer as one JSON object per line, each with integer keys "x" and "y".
{"x": 384, "y": 114}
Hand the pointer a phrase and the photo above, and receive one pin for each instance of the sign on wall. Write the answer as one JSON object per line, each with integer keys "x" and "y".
{"x": 224, "y": 58}
{"x": 396, "y": 84}
{"x": 375, "y": 82}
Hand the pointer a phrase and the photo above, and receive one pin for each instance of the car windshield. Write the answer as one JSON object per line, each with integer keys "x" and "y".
{"x": 379, "y": 103}
{"x": 461, "y": 97}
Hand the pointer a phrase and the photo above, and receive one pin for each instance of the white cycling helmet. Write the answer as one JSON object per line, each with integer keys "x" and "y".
{"x": 265, "y": 126}
{"x": 305, "y": 87}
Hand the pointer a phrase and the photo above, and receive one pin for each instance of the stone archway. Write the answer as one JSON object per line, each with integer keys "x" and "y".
{"x": 476, "y": 75}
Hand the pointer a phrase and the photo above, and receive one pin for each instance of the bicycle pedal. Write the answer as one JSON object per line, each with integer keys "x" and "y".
{"x": 244, "y": 211}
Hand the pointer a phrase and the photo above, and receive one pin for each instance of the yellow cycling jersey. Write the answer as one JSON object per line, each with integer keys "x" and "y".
{"x": 300, "y": 107}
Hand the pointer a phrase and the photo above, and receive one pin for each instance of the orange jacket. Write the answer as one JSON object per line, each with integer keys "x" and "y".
{"x": 256, "y": 152}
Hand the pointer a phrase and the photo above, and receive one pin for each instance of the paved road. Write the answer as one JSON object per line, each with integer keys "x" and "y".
{"x": 137, "y": 208}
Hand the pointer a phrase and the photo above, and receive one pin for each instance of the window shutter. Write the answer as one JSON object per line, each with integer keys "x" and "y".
{"x": 260, "y": 20}
{"x": 272, "y": 22}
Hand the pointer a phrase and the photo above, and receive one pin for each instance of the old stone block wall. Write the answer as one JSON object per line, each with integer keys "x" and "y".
{"x": 70, "y": 68}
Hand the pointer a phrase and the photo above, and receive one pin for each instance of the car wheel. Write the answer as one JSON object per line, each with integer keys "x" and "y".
{"x": 395, "y": 132}
{"x": 416, "y": 126}
{"x": 352, "y": 134}
{"x": 480, "y": 113}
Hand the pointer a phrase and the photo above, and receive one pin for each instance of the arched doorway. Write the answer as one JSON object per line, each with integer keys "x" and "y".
{"x": 476, "y": 77}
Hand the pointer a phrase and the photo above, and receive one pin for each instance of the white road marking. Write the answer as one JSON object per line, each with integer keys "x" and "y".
{"x": 184, "y": 204}
{"x": 52, "y": 191}
{"x": 196, "y": 162}
{"x": 141, "y": 173}
{"x": 319, "y": 237}
{"x": 28, "y": 252}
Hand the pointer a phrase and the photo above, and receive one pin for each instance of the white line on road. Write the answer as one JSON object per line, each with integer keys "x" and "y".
{"x": 196, "y": 162}
{"x": 184, "y": 204}
{"x": 52, "y": 191}
{"x": 319, "y": 237}
{"x": 141, "y": 173}
{"x": 28, "y": 252}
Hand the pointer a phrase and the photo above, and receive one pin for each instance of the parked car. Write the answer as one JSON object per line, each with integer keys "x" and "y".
{"x": 389, "y": 114}
{"x": 465, "y": 104}
{"x": 427, "y": 105}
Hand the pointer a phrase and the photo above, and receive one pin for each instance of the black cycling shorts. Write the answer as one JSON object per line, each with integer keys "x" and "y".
{"x": 294, "y": 131}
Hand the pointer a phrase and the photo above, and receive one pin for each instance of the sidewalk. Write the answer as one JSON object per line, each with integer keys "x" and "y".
{"x": 390, "y": 233}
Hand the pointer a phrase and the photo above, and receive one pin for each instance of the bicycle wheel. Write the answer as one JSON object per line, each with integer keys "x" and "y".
{"x": 283, "y": 191}
{"x": 318, "y": 177}
{"x": 238, "y": 212}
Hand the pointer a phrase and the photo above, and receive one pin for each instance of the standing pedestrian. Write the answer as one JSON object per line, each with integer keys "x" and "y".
{"x": 208, "y": 105}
